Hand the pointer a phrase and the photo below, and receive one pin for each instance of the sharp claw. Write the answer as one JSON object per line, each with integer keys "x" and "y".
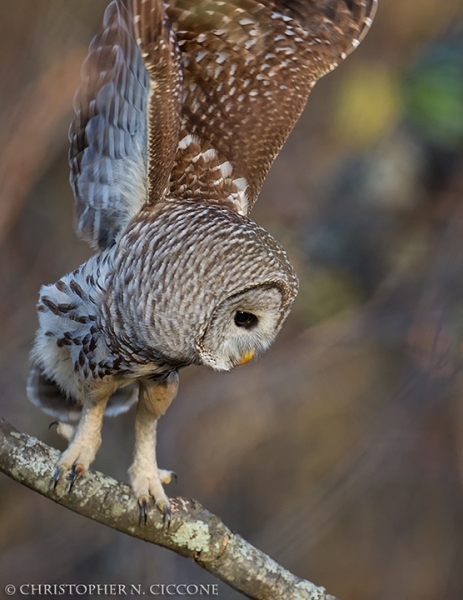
{"x": 143, "y": 508}
{"x": 166, "y": 517}
{"x": 174, "y": 477}
{"x": 56, "y": 477}
{"x": 75, "y": 473}
{"x": 53, "y": 423}
{"x": 164, "y": 507}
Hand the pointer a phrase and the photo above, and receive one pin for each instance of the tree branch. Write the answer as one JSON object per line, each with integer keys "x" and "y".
{"x": 194, "y": 532}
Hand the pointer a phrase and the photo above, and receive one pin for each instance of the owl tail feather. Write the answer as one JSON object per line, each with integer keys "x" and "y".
{"x": 47, "y": 395}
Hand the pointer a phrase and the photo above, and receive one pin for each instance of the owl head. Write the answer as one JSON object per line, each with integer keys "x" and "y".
{"x": 212, "y": 287}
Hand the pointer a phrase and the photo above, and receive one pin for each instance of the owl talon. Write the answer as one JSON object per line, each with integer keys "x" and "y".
{"x": 162, "y": 505}
{"x": 52, "y": 424}
{"x": 56, "y": 477}
{"x": 143, "y": 509}
{"x": 76, "y": 472}
{"x": 164, "y": 508}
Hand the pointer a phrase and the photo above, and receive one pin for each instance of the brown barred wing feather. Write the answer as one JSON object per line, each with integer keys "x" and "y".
{"x": 248, "y": 68}
{"x": 160, "y": 52}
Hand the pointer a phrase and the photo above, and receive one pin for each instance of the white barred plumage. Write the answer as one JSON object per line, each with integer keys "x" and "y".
{"x": 182, "y": 110}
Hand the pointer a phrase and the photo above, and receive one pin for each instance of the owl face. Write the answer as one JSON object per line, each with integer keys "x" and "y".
{"x": 242, "y": 326}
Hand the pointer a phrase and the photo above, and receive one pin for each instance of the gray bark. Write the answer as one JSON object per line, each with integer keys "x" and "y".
{"x": 193, "y": 532}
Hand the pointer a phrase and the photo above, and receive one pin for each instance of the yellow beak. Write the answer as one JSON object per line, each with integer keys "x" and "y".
{"x": 246, "y": 357}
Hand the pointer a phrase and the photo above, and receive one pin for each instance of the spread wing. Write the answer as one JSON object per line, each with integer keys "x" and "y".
{"x": 248, "y": 68}
{"x": 112, "y": 149}
{"x": 196, "y": 102}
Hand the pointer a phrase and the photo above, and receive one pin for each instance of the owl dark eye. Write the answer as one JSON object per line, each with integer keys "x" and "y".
{"x": 245, "y": 319}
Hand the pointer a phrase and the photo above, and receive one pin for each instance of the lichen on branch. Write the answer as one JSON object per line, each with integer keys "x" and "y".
{"x": 193, "y": 532}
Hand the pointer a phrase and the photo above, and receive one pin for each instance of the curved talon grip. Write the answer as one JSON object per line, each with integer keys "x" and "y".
{"x": 166, "y": 516}
{"x": 143, "y": 508}
{"x": 55, "y": 478}
{"x": 74, "y": 474}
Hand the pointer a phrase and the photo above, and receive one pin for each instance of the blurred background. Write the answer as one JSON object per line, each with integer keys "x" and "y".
{"x": 339, "y": 452}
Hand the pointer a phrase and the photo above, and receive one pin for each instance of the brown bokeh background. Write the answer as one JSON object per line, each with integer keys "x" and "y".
{"x": 340, "y": 451}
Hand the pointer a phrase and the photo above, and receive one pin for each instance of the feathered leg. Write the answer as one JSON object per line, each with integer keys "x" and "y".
{"x": 145, "y": 477}
{"x": 86, "y": 440}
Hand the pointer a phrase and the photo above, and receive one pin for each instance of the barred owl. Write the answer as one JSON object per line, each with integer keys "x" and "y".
{"x": 182, "y": 110}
